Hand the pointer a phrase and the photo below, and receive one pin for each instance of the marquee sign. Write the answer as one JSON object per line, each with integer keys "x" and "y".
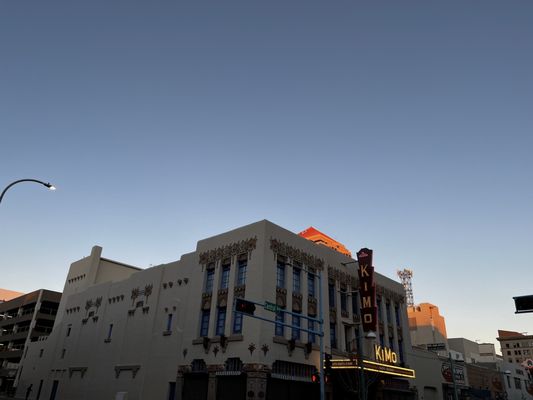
{"x": 384, "y": 354}
{"x": 372, "y": 366}
{"x": 367, "y": 290}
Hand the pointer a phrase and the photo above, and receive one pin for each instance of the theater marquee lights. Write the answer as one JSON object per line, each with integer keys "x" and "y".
{"x": 372, "y": 366}
{"x": 367, "y": 290}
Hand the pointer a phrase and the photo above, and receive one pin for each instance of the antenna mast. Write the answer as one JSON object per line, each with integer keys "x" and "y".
{"x": 406, "y": 276}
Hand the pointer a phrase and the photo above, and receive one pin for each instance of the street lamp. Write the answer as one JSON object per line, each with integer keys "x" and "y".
{"x": 360, "y": 348}
{"x": 361, "y": 361}
{"x": 48, "y": 185}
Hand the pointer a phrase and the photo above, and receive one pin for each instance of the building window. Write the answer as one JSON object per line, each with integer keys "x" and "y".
{"x": 355, "y": 308}
{"x": 295, "y": 334}
{"x": 221, "y": 321}
{"x": 296, "y": 280}
{"x": 378, "y": 306}
{"x": 41, "y": 353}
{"x": 209, "y": 280}
{"x": 333, "y": 335}
{"x": 344, "y": 300}
{"x": 237, "y": 322}
{"x": 397, "y": 314}
{"x": 242, "y": 264}
{"x": 280, "y": 319}
{"x": 508, "y": 381}
{"x": 69, "y": 329}
{"x": 347, "y": 338}
{"x": 311, "y": 337}
{"x": 204, "y": 325}
{"x": 382, "y": 340}
{"x": 224, "y": 279}
{"x": 63, "y": 353}
{"x": 331, "y": 295}
{"x": 109, "y": 331}
{"x": 387, "y": 312}
{"x": 169, "y": 322}
{"x": 280, "y": 274}
{"x": 310, "y": 285}
{"x": 400, "y": 349}
{"x": 517, "y": 384}
{"x": 171, "y": 394}
{"x": 508, "y": 352}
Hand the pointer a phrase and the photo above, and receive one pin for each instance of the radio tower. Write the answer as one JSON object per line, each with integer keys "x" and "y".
{"x": 406, "y": 276}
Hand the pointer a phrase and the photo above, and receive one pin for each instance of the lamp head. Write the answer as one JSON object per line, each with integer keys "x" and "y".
{"x": 50, "y": 186}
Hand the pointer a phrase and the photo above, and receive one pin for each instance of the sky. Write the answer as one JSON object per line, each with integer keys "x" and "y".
{"x": 403, "y": 126}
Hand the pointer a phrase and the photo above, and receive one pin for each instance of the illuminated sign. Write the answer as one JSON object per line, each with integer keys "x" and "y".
{"x": 367, "y": 290}
{"x": 372, "y": 366}
{"x": 384, "y": 354}
{"x": 458, "y": 373}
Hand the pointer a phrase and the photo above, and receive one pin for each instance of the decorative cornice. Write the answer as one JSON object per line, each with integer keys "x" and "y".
{"x": 342, "y": 277}
{"x": 295, "y": 254}
{"x": 390, "y": 294}
{"x": 230, "y": 250}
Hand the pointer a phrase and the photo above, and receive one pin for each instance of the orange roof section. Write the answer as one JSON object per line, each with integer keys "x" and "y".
{"x": 318, "y": 237}
{"x": 508, "y": 334}
{"x": 6, "y": 295}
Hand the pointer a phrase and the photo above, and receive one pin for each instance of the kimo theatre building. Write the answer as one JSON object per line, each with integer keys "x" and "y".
{"x": 172, "y": 332}
{"x": 376, "y": 366}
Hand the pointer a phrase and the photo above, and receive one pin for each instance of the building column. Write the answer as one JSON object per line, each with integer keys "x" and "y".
{"x": 256, "y": 381}
{"x": 180, "y": 380}
{"x": 212, "y": 386}
{"x": 212, "y": 380}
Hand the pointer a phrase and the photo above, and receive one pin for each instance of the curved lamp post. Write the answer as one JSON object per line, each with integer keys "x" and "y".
{"x": 48, "y": 185}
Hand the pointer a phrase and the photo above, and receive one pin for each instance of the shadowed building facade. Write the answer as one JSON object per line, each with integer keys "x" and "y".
{"x": 23, "y": 320}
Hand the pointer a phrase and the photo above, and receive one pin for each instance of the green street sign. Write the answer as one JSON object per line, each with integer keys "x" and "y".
{"x": 272, "y": 307}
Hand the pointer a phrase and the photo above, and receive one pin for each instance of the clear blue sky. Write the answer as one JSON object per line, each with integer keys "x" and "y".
{"x": 404, "y": 126}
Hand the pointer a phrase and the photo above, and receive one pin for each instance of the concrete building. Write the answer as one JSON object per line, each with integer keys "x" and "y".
{"x": 22, "y": 320}
{"x": 430, "y": 382}
{"x": 489, "y": 376}
{"x": 468, "y": 348}
{"x": 515, "y": 346}
{"x": 6, "y": 295}
{"x": 171, "y": 332}
{"x": 517, "y": 381}
{"x": 517, "y": 353}
{"x": 428, "y": 328}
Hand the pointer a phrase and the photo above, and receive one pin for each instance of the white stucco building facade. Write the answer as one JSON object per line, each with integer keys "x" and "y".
{"x": 170, "y": 331}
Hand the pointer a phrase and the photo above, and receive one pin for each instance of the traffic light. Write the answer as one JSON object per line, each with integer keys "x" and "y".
{"x": 523, "y": 304}
{"x": 327, "y": 362}
{"x": 315, "y": 378}
{"x": 244, "y": 306}
{"x": 327, "y": 368}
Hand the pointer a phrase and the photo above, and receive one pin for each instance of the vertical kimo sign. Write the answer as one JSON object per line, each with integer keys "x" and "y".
{"x": 367, "y": 290}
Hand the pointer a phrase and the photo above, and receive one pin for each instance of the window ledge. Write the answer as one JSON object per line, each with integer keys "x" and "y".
{"x": 167, "y": 333}
{"x": 107, "y": 341}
